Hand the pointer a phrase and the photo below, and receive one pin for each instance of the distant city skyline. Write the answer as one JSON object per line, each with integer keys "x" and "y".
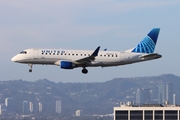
{"x": 46, "y": 98}
{"x": 166, "y": 91}
{"x": 143, "y": 96}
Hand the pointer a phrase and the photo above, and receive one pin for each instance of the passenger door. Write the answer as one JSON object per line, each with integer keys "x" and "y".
{"x": 122, "y": 57}
{"x": 35, "y": 53}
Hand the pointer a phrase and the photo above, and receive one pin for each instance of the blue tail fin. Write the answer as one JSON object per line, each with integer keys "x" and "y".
{"x": 147, "y": 45}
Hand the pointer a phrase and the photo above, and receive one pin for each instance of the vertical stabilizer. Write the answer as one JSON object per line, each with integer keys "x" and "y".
{"x": 147, "y": 45}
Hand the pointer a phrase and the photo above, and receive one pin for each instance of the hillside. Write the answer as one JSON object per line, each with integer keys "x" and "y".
{"x": 92, "y": 98}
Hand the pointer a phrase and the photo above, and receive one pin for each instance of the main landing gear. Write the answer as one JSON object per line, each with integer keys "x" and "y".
{"x": 84, "y": 71}
{"x": 30, "y": 70}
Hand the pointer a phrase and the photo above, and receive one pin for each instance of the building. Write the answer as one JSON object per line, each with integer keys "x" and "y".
{"x": 147, "y": 112}
{"x": 143, "y": 96}
{"x": 25, "y": 107}
{"x": 165, "y": 93}
{"x": 31, "y": 107}
{"x": 6, "y": 101}
{"x": 174, "y": 99}
{"x": 78, "y": 113}
{"x": 40, "y": 106}
{"x": 9, "y": 104}
{"x": 1, "y": 109}
{"x": 58, "y": 106}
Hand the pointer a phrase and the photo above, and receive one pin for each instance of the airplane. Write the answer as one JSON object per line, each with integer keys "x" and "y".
{"x": 69, "y": 59}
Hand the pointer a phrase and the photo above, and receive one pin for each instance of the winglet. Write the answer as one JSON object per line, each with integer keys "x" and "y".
{"x": 95, "y": 53}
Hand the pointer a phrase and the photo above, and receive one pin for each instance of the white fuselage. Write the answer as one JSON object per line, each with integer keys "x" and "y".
{"x": 69, "y": 59}
{"x": 54, "y": 56}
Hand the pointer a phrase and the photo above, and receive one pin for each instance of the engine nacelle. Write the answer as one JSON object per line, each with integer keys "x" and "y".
{"x": 66, "y": 65}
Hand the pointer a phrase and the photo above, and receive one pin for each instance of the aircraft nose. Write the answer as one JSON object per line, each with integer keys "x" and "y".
{"x": 14, "y": 59}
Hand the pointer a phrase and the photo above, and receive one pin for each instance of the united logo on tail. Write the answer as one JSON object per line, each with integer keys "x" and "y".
{"x": 147, "y": 45}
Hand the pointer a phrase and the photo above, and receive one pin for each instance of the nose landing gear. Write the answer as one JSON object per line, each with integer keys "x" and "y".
{"x": 30, "y": 70}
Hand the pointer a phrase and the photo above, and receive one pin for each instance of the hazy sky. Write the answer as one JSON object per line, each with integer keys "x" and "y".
{"x": 81, "y": 24}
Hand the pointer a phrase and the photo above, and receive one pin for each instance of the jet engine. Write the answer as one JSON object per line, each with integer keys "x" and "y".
{"x": 66, "y": 65}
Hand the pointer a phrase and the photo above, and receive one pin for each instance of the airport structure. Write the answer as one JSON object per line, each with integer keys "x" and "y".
{"x": 129, "y": 111}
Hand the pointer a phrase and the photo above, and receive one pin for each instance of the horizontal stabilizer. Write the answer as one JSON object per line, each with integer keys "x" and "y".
{"x": 149, "y": 56}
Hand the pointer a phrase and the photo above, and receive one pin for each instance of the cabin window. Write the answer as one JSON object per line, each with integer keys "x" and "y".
{"x": 57, "y": 53}
{"x": 81, "y": 54}
{"x": 53, "y": 53}
{"x": 65, "y": 54}
{"x": 73, "y": 54}
{"x": 69, "y": 54}
{"x": 46, "y": 53}
{"x": 112, "y": 55}
{"x": 61, "y": 54}
{"x": 88, "y": 54}
{"x": 116, "y": 55}
{"x": 50, "y": 53}
{"x": 108, "y": 55}
{"x": 104, "y": 55}
{"x": 101, "y": 55}
{"x": 76, "y": 54}
{"x": 84, "y": 54}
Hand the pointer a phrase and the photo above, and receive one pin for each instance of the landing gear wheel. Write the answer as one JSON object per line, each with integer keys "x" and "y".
{"x": 84, "y": 70}
{"x": 30, "y": 70}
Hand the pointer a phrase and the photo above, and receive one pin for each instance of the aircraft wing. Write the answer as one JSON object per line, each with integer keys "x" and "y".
{"x": 88, "y": 59}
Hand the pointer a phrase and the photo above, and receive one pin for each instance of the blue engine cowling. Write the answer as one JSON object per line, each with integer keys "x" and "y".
{"x": 66, "y": 65}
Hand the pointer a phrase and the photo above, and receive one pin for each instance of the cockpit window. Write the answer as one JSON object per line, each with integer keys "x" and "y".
{"x": 23, "y": 52}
